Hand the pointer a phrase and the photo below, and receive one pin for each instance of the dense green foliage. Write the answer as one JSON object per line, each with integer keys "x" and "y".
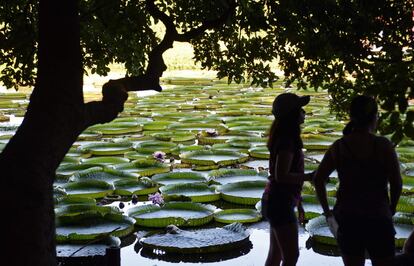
{"x": 346, "y": 47}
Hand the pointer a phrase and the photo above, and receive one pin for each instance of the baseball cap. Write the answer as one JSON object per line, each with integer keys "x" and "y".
{"x": 286, "y": 102}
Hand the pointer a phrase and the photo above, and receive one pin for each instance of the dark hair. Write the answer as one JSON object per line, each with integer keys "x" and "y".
{"x": 362, "y": 112}
{"x": 286, "y": 128}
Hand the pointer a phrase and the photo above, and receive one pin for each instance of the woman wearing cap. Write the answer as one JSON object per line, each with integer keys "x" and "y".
{"x": 286, "y": 167}
{"x": 366, "y": 164}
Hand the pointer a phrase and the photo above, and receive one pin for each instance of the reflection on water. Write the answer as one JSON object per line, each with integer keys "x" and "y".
{"x": 253, "y": 253}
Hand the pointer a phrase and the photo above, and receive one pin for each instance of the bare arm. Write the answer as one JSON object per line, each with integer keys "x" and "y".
{"x": 321, "y": 177}
{"x": 394, "y": 175}
{"x": 282, "y": 169}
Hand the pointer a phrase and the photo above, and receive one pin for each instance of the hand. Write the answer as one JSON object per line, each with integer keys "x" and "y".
{"x": 301, "y": 214}
{"x": 309, "y": 176}
{"x": 328, "y": 214}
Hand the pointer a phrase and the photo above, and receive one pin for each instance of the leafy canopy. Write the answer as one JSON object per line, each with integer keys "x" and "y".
{"x": 346, "y": 47}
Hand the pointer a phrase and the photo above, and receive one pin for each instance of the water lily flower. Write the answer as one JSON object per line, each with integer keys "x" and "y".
{"x": 212, "y": 132}
{"x": 156, "y": 198}
{"x": 159, "y": 156}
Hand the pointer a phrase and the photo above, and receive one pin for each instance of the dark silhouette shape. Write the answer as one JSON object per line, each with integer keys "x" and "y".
{"x": 286, "y": 166}
{"x": 366, "y": 164}
{"x": 407, "y": 256}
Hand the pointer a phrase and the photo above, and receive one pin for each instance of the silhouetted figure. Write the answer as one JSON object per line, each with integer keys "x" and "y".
{"x": 286, "y": 166}
{"x": 366, "y": 164}
{"x": 407, "y": 257}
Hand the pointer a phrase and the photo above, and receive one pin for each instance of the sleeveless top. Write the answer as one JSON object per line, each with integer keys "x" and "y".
{"x": 292, "y": 191}
{"x": 363, "y": 184}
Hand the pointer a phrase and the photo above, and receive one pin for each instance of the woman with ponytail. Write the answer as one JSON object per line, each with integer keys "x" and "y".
{"x": 366, "y": 165}
{"x": 286, "y": 167}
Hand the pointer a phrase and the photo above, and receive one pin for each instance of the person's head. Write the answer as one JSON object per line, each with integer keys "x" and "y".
{"x": 289, "y": 114}
{"x": 363, "y": 114}
{"x": 288, "y": 107}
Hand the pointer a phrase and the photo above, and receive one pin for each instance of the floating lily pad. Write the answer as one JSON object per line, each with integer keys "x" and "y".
{"x": 317, "y": 142}
{"x": 196, "y": 127}
{"x": 259, "y": 152}
{"x": 104, "y": 161}
{"x": 83, "y": 228}
{"x": 67, "y": 170}
{"x": 143, "y": 186}
{"x": 246, "y": 192}
{"x": 154, "y": 146}
{"x": 139, "y": 154}
{"x": 198, "y": 192}
{"x": 237, "y": 215}
{"x": 75, "y": 209}
{"x": 89, "y": 188}
{"x": 177, "y": 213}
{"x": 117, "y": 128}
{"x": 208, "y": 157}
{"x": 76, "y": 254}
{"x": 226, "y": 176}
{"x": 107, "y": 175}
{"x": 144, "y": 167}
{"x": 73, "y": 200}
{"x": 106, "y": 148}
{"x": 175, "y": 136}
{"x": 90, "y": 135}
{"x": 178, "y": 178}
{"x": 199, "y": 241}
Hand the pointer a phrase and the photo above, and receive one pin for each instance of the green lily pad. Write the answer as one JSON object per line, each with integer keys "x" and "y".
{"x": 90, "y": 135}
{"x": 104, "y": 161}
{"x": 154, "y": 146}
{"x": 246, "y": 192}
{"x": 139, "y": 154}
{"x": 237, "y": 215}
{"x": 73, "y": 200}
{"x": 67, "y": 170}
{"x": 175, "y": 136}
{"x": 317, "y": 142}
{"x": 178, "y": 178}
{"x": 177, "y": 213}
{"x": 199, "y": 241}
{"x": 198, "y": 192}
{"x": 196, "y": 127}
{"x": 75, "y": 209}
{"x": 83, "y": 228}
{"x": 117, "y": 128}
{"x": 107, "y": 175}
{"x": 259, "y": 152}
{"x": 226, "y": 176}
{"x": 143, "y": 186}
{"x": 89, "y": 188}
{"x": 144, "y": 167}
{"x": 208, "y": 157}
{"x": 106, "y": 148}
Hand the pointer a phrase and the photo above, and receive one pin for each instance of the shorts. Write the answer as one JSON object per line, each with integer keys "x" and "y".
{"x": 279, "y": 209}
{"x": 359, "y": 234}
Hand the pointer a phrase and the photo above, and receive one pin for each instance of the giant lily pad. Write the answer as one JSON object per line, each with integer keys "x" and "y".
{"x": 67, "y": 170}
{"x": 226, "y": 176}
{"x": 178, "y": 177}
{"x": 259, "y": 152}
{"x": 144, "y": 167}
{"x": 177, "y": 213}
{"x": 208, "y": 157}
{"x": 246, "y": 192}
{"x": 127, "y": 187}
{"x": 237, "y": 215}
{"x": 106, "y": 148}
{"x": 117, "y": 128}
{"x": 104, "y": 161}
{"x": 107, "y": 175}
{"x": 89, "y": 188}
{"x": 174, "y": 136}
{"x": 154, "y": 146}
{"x": 198, "y": 192}
{"x": 83, "y": 228}
{"x": 199, "y": 241}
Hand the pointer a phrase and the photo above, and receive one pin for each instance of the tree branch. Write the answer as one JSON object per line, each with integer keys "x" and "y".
{"x": 208, "y": 24}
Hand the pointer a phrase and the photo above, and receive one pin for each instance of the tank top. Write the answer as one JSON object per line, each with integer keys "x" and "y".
{"x": 292, "y": 191}
{"x": 363, "y": 184}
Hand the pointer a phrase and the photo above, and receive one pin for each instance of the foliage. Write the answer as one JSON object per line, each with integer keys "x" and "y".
{"x": 345, "y": 47}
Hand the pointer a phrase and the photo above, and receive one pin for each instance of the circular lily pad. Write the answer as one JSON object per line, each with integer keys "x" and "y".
{"x": 226, "y": 176}
{"x": 67, "y": 170}
{"x": 144, "y": 167}
{"x": 106, "y": 148}
{"x": 237, "y": 215}
{"x": 198, "y": 241}
{"x": 143, "y": 186}
{"x": 107, "y": 175}
{"x": 89, "y": 188}
{"x": 317, "y": 142}
{"x": 178, "y": 178}
{"x": 208, "y": 157}
{"x": 104, "y": 161}
{"x": 177, "y": 213}
{"x": 198, "y": 192}
{"x": 259, "y": 152}
{"x": 246, "y": 192}
{"x": 117, "y": 128}
{"x": 154, "y": 146}
{"x": 176, "y": 136}
{"x": 73, "y": 200}
{"x": 83, "y": 228}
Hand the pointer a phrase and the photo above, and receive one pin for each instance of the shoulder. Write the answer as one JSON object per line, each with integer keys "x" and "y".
{"x": 384, "y": 143}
